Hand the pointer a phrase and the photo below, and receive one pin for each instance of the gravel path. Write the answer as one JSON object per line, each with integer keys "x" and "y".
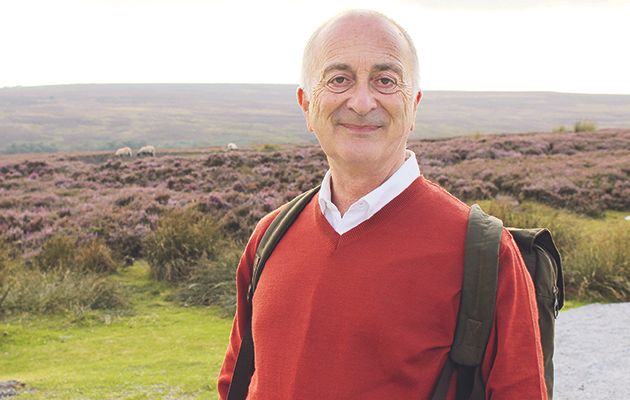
{"x": 592, "y": 358}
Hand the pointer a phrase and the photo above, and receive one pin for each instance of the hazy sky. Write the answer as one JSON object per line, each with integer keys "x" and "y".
{"x": 565, "y": 46}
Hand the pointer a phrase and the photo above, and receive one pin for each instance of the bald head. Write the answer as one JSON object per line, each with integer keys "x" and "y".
{"x": 360, "y": 20}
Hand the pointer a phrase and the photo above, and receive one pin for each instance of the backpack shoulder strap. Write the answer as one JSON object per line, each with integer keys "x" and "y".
{"x": 477, "y": 304}
{"x": 244, "y": 367}
{"x": 476, "y": 310}
{"x": 274, "y": 233}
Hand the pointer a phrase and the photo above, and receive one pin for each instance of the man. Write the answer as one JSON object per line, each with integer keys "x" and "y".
{"x": 359, "y": 299}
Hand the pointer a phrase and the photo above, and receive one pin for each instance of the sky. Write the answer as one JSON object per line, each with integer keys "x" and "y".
{"x": 576, "y": 46}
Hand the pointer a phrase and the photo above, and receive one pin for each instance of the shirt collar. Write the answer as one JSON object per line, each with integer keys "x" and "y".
{"x": 392, "y": 187}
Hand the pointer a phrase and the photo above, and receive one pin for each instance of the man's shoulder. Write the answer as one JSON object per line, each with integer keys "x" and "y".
{"x": 264, "y": 222}
{"x": 431, "y": 199}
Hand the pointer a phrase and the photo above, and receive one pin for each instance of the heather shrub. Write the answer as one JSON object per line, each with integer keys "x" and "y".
{"x": 95, "y": 256}
{"x": 584, "y": 126}
{"x": 212, "y": 283}
{"x": 181, "y": 239}
{"x": 60, "y": 292}
{"x": 126, "y": 242}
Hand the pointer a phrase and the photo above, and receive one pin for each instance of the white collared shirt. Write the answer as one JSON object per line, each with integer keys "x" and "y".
{"x": 371, "y": 203}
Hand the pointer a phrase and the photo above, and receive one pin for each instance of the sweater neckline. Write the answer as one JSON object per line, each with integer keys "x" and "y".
{"x": 392, "y": 208}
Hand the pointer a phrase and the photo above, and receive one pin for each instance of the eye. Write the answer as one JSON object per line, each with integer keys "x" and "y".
{"x": 385, "y": 84}
{"x": 339, "y": 83}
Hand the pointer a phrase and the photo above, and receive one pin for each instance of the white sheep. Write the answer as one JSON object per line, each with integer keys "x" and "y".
{"x": 124, "y": 151}
{"x": 146, "y": 151}
{"x": 231, "y": 146}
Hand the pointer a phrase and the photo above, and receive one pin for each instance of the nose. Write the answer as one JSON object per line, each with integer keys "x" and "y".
{"x": 361, "y": 99}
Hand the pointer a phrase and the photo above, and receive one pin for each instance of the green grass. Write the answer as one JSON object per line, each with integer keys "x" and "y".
{"x": 157, "y": 351}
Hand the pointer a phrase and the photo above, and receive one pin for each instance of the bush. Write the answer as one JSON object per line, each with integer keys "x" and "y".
{"x": 58, "y": 253}
{"x": 95, "y": 256}
{"x": 61, "y": 292}
{"x": 563, "y": 225}
{"x": 63, "y": 253}
{"x": 596, "y": 262}
{"x": 599, "y": 268}
{"x": 212, "y": 283}
{"x": 559, "y": 129}
{"x": 4, "y": 271}
{"x": 584, "y": 126}
{"x": 181, "y": 239}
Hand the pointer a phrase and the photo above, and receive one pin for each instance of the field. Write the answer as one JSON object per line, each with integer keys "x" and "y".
{"x": 105, "y": 117}
{"x": 116, "y": 275}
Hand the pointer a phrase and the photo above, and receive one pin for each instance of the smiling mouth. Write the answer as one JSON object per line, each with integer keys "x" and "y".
{"x": 360, "y": 128}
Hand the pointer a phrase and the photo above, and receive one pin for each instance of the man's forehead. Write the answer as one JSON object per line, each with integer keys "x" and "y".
{"x": 362, "y": 28}
{"x": 366, "y": 33}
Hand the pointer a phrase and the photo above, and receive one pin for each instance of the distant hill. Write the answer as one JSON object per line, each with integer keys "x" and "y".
{"x": 104, "y": 117}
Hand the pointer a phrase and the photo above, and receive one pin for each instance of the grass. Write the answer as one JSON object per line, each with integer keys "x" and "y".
{"x": 157, "y": 350}
{"x": 161, "y": 351}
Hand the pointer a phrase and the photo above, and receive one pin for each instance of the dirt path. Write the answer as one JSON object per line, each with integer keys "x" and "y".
{"x": 592, "y": 359}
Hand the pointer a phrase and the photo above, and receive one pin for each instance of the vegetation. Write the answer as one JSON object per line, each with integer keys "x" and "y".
{"x": 584, "y": 126}
{"x": 77, "y": 324}
{"x": 75, "y": 117}
{"x": 60, "y": 292}
{"x": 156, "y": 351}
{"x": 182, "y": 242}
{"x": 559, "y": 129}
{"x": 4, "y": 271}
{"x": 595, "y": 253}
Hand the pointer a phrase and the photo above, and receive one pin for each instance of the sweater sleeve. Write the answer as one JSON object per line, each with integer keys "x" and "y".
{"x": 243, "y": 278}
{"x": 513, "y": 363}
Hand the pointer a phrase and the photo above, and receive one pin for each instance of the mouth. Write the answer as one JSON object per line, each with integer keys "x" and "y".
{"x": 360, "y": 128}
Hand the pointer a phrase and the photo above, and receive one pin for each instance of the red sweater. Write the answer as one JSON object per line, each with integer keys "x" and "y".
{"x": 371, "y": 314}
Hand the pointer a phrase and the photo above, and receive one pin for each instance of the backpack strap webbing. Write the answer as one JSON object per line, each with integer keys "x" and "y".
{"x": 477, "y": 304}
{"x": 244, "y": 367}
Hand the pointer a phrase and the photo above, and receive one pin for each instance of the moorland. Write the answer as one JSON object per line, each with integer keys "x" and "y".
{"x": 117, "y": 274}
{"x": 105, "y": 117}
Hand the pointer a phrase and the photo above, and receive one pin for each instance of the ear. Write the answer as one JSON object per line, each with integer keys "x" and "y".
{"x": 304, "y": 104}
{"x": 416, "y": 102}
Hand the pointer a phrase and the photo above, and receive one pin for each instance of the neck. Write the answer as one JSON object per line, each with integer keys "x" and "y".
{"x": 347, "y": 185}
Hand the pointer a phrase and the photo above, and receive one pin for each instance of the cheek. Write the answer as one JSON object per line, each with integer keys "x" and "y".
{"x": 405, "y": 103}
{"x": 323, "y": 105}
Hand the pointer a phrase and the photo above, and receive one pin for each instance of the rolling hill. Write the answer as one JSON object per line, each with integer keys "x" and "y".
{"x": 107, "y": 116}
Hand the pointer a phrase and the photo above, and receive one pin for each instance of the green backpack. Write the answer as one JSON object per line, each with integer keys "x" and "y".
{"x": 476, "y": 311}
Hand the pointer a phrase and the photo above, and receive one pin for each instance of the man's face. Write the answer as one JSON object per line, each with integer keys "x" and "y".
{"x": 362, "y": 108}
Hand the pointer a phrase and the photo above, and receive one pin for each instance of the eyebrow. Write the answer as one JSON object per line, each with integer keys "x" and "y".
{"x": 378, "y": 67}
{"x": 388, "y": 67}
{"x": 336, "y": 66}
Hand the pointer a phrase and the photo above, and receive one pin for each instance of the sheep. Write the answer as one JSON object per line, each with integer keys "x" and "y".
{"x": 146, "y": 151}
{"x": 123, "y": 151}
{"x": 231, "y": 146}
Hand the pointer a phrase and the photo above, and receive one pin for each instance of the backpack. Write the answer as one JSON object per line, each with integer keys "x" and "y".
{"x": 477, "y": 304}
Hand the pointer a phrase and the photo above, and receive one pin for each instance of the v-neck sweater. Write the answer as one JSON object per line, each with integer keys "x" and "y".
{"x": 371, "y": 314}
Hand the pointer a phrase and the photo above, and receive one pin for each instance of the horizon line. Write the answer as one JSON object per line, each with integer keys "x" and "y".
{"x": 293, "y": 84}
